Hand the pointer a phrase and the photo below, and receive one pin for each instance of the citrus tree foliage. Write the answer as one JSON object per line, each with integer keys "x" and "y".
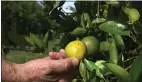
{"x": 30, "y": 30}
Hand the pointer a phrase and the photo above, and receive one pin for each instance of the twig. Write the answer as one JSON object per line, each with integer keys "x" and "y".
{"x": 128, "y": 67}
{"x": 132, "y": 36}
{"x": 105, "y": 80}
{"x": 139, "y": 24}
{"x": 98, "y": 14}
{"x": 130, "y": 58}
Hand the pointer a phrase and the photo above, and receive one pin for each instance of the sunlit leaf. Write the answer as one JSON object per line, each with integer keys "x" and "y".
{"x": 99, "y": 63}
{"x": 134, "y": 15}
{"x": 92, "y": 66}
{"x": 57, "y": 3}
{"x": 36, "y": 40}
{"x": 45, "y": 39}
{"x": 29, "y": 40}
{"x": 126, "y": 10}
{"x": 114, "y": 28}
{"x": 83, "y": 71}
{"x": 78, "y": 31}
{"x": 119, "y": 41}
{"x": 83, "y": 20}
{"x": 112, "y": 2}
{"x": 98, "y": 20}
{"x": 113, "y": 52}
{"x": 87, "y": 19}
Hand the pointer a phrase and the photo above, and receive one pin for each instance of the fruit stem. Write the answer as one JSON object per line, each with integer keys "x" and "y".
{"x": 77, "y": 38}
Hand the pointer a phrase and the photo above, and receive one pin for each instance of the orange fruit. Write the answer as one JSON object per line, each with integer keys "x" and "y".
{"x": 75, "y": 49}
{"x": 92, "y": 44}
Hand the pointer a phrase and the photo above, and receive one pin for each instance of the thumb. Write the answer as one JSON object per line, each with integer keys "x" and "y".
{"x": 63, "y": 65}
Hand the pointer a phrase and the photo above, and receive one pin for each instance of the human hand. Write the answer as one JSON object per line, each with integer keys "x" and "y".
{"x": 54, "y": 68}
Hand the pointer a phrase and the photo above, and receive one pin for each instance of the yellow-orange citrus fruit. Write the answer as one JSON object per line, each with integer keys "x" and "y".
{"x": 75, "y": 49}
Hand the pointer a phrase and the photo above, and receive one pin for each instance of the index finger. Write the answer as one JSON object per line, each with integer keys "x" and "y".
{"x": 63, "y": 65}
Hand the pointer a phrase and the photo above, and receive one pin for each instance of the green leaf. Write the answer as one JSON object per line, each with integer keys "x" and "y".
{"x": 45, "y": 39}
{"x": 134, "y": 15}
{"x": 16, "y": 56}
{"x": 136, "y": 68}
{"x": 119, "y": 72}
{"x": 104, "y": 46}
{"x": 119, "y": 41}
{"x": 114, "y": 28}
{"x": 15, "y": 37}
{"x": 29, "y": 40}
{"x": 54, "y": 44}
{"x": 57, "y": 3}
{"x": 83, "y": 71}
{"x": 22, "y": 56}
{"x": 36, "y": 40}
{"x": 78, "y": 31}
{"x": 92, "y": 66}
{"x": 98, "y": 20}
{"x": 126, "y": 10}
{"x": 99, "y": 63}
{"x": 93, "y": 79}
{"x": 112, "y": 2}
{"x": 82, "y": 20}
{"x": 113, "y": 52}
{"x": 89, "y": 75}
{"x": 87, "y": 19}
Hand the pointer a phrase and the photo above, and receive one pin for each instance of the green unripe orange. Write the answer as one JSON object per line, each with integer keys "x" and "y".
{"x": 92, "y": 44}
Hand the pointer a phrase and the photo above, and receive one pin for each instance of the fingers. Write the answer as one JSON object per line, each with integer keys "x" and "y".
{"x": 63, "y": 65}
{"x": 62, "y": 51}
{"x": 54, "y": 55}
{"x": 62, "y": 80}
{"x": 57, "y": 55}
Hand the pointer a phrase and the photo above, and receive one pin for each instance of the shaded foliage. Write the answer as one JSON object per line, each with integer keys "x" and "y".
{"x": 39, "y": 28}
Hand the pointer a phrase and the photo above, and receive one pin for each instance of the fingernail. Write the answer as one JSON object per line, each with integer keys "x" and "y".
{"x": 62, "y": 50}
{"x": 75, "y": 62}
{"x": 50, "y": 53}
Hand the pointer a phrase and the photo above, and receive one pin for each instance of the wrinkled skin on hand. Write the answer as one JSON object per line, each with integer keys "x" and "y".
{"x": 54, "y": 68}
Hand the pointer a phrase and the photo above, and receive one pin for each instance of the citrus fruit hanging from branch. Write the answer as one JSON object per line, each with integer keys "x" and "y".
{"x": 75, "y": 49}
